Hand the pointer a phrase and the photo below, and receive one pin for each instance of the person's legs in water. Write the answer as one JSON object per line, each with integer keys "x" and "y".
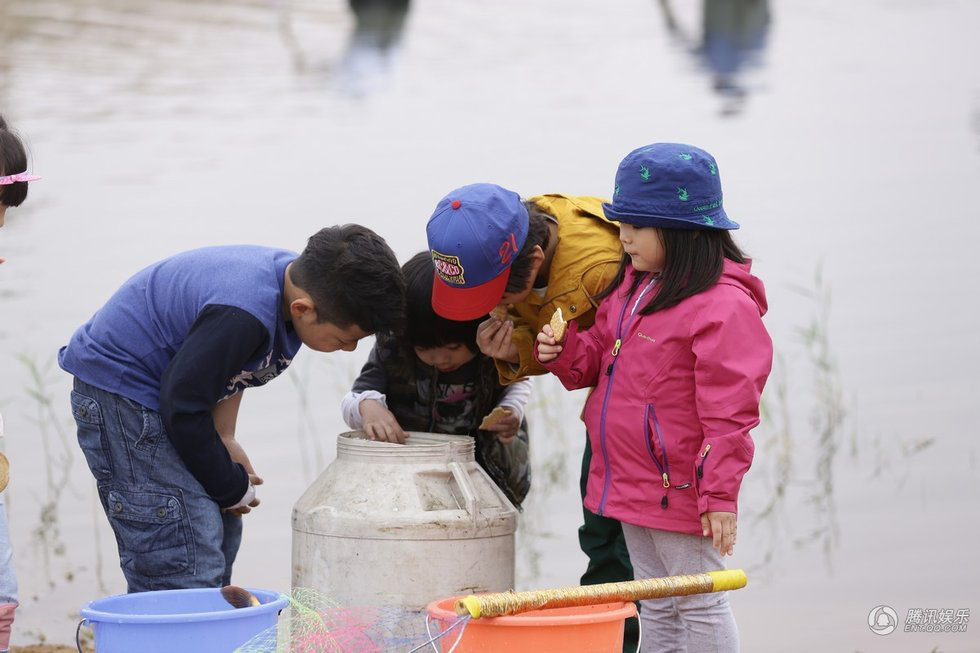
{"x": 601, "y": 539}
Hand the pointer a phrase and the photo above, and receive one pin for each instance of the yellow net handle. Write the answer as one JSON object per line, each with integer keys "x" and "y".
{"x": 497, "y": 605}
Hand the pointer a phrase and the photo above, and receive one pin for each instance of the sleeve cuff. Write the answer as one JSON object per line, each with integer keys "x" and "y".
{"x": 711, "y": 504}
{"x": 229, "y": 499}
{"x": 350, "y": 406}
{"x": 246, "y": 499}
{"x": 516, "y": 396}
{"x": 568, "y": 346}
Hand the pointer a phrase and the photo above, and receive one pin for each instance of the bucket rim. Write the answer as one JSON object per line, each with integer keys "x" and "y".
{"x": 275, "y": 600}
{"x": 442, "y": 609}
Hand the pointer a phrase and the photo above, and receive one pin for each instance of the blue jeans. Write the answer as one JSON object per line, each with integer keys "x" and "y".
{"x": 8, "y": 581}
{"x": 170, "y": 533}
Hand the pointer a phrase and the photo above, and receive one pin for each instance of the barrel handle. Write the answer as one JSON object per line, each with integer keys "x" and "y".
{"x": 78, "y": 630}
{"x": 466, "y": 487}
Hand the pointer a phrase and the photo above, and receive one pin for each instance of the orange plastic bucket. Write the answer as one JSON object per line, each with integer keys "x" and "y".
{"x": 589, "y": 628}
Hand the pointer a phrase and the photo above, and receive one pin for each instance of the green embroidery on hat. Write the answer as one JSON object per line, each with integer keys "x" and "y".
{"x": 712, "y": 168}
{"x": 709, "y": 206}
{"x": 686, "y": 157}
{"x": 682, "y": 194}
{"x": 616, "y": 192}
{"x": 645, "y": 173}
{"x": 708, "y": 221}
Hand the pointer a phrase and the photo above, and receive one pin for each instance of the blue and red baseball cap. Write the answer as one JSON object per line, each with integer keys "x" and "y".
{"x": 669, "y": 185}
{"x": 474, "y": 236}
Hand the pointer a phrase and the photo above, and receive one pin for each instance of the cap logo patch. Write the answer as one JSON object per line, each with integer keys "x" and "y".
{"x": 449, "y": 269}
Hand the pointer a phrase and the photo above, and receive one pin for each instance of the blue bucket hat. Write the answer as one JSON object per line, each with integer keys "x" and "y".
{"x": 669, "y": 185}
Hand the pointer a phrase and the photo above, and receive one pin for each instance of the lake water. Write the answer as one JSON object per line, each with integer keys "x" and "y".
{"x": 848, "y": 136}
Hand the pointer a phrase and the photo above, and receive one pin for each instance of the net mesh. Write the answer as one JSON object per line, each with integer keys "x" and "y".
{"x": 315, "y": 623}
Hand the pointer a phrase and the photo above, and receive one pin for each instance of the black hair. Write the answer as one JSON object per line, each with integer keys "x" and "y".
{"x": 424, "y": 328}
{"x": 693, "y": 261}
{"x": 539, "y": 234}
{"x": 13, "y": 160}
{"x": 353, "y": 278}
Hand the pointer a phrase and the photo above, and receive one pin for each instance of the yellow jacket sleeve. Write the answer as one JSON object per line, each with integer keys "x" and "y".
{"x": 525, "y": 340}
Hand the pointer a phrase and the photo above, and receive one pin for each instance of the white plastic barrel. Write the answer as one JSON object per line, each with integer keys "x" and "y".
{"x": 403, "y": 525}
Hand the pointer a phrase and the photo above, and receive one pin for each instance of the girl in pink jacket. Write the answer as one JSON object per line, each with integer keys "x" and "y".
{"x": 678, "y": 356}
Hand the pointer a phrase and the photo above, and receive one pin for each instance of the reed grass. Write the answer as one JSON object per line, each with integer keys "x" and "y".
{"x": 59, "y": 456}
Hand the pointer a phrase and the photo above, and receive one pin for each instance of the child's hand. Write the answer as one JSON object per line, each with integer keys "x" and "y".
{"x": 548, "y": 349}
{"x": 506, "y": 428}
{"x": 239, "y": 456}
{"x": 493, "y": 337}
{"x": 380, "y": 423}
{"x": 722, "y": 527}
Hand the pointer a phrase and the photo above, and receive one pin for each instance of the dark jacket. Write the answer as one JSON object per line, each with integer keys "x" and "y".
{"x": 421, "y": 399}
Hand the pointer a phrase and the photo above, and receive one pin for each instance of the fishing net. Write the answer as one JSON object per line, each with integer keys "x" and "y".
{"x": 315, "y": 623}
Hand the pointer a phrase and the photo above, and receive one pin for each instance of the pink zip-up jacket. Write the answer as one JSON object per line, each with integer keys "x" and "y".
{"x": 676, "y": 394}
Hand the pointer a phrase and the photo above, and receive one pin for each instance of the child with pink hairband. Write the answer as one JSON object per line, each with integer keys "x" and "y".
{"x": 13, "y": 172}
{"x": 13, "y": 192}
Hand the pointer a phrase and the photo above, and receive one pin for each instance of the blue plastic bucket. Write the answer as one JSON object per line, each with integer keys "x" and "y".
{"x": 186, "y": 621}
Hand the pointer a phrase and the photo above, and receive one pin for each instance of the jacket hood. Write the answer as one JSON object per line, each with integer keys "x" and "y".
{"x": 734, "y": 274}
{"x": 740, "y": 276}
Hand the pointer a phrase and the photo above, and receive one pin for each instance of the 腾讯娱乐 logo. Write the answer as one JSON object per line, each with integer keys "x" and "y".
{"x": 937, "y": 620}
{"x": 448, "y": 268}
{"x": 882, "y": 620}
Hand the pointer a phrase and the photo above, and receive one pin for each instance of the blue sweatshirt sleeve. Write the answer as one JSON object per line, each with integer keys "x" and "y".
{"x": 219, "y": 344}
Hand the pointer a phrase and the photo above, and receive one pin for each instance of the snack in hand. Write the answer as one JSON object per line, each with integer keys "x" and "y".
{"x": 558, "y": 325}
{"x": 499, "y": 313}
{"x": 495, "y": 416}
{"x": 4, "y": 472}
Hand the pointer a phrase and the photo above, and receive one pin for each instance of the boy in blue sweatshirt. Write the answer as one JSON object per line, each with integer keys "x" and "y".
{"x": 159, "y": 374}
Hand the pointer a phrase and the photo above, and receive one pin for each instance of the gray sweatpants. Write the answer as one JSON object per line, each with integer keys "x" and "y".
{"x": 700, "y": 623}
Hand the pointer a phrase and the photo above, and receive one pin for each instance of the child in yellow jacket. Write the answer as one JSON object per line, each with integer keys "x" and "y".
{"x": 516, "y": 262}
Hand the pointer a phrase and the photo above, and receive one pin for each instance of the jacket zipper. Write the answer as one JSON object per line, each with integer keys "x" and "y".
{"x": 665, "y": 468}
{"x": 610, "y": 371}
{"x": 704, "y": 454}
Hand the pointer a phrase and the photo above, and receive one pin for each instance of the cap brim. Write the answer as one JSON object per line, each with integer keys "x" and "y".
{"x": 463, "y": 304}
{"x": 719, "y": 220}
